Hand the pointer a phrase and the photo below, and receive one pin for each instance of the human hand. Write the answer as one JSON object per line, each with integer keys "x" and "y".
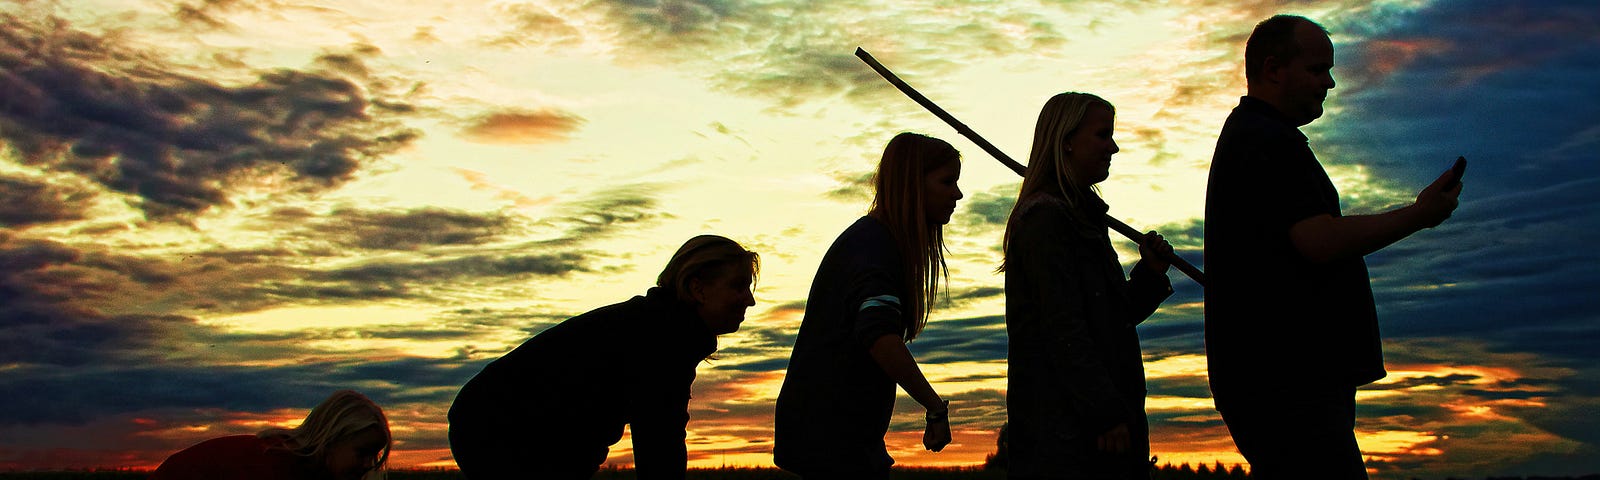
{"x": 1114, "y": 440}
{"x": 937, "y": 434}
{"x": 1436, "y": 202}
{"x": 1154, "y": 252}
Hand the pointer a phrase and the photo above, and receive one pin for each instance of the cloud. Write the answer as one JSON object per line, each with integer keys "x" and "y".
{"x": 605, "y": 211}
{"x": 408, "y": 229}
{"x": 959, "y": 340}
{"x": 26, "y": 201}
{"x": 81, "y": 104}
{"x": 535, "y": 25}
{"x": 471, "y": 266}
{"x": 522, "y": 127}
{"x": 992, "y": 207}
{"x": 786, "y": 52}
{"x": 46, "y": 289}
{"x": 481, "y": 181}
{"x": 71, "y": 396}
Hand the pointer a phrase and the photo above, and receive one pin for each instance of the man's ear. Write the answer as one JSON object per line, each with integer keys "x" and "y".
{"x": 1272, "y": 69}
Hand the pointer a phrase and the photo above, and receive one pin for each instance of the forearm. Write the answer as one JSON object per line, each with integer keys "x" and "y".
{"x": 891, "y": 355}
{"x": 1326, "y": 238}
{"x": 659, "y": 450}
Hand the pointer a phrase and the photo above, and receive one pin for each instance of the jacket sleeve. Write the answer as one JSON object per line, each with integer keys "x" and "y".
{"x": 661, "y": 416}
{"x": 1057, "y": 286}
{"x": 1146, "y": 291}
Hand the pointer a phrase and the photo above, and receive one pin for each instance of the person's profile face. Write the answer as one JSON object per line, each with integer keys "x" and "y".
{"x": 1307, "y": 78}
{"x": 1092, "y": 146}
{"x": 722, "y": 300}
{"x": 351, "y": 457}
{"x": 940, "y": 193}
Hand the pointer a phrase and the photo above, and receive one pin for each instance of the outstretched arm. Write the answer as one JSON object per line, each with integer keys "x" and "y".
{"x": 1325, "y": 238}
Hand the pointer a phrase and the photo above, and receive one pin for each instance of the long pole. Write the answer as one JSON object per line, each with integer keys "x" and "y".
{"x": 1198, "y": 276}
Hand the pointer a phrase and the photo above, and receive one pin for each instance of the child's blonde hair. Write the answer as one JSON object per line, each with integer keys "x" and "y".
{"x": 343, "y": 414}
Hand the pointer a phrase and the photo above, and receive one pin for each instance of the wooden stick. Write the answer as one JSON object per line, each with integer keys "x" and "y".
{"x": 1198, "y": 276}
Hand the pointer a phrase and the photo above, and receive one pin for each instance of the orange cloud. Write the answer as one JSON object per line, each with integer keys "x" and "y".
{"x": 522, "y": 127}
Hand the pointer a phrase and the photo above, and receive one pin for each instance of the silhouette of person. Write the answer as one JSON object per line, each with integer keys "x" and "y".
{"x": 346, "y": 437}
{"x": 1291, "y": 327}
{"x": 1075, "y": 393}
{"x": 872, "y": 294}
{"x": 552, "y": 407}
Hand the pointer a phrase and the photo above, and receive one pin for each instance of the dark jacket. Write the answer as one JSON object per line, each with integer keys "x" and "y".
{"x": 1076, "y": 369}
{"x": 835, "y": 405}
{"x": 571, "y": 388}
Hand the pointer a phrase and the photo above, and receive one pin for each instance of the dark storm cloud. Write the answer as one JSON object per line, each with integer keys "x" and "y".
{"x": 45, "y": 290}
{"x": 114, "y": 115}
{"x": 25, "y": 201}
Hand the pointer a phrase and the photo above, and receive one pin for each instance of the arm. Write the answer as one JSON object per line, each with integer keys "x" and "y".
{"x": 1325, "y": 238}
{"x": 659, "y": 424}
{"x": 891, "y": 355}
{"x": 1148, "y": 284}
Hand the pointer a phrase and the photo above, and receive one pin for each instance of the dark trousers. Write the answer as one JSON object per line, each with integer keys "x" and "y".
{"x": 1295, "y": 435}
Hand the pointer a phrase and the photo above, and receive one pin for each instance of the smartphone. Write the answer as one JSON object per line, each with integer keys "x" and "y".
{"x": 1455, "y": 172}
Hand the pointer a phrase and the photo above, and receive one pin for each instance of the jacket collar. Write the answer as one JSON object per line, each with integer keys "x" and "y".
{"x": 683, "y": 320}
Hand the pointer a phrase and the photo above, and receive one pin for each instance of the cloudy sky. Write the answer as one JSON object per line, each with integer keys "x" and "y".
{"x": 215, "y": 212}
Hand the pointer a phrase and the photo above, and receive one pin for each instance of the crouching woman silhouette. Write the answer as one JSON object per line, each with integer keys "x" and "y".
{"x": 552, "y": 407}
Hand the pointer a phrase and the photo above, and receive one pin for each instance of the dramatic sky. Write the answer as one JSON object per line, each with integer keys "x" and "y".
{"x": 215, "y": 212}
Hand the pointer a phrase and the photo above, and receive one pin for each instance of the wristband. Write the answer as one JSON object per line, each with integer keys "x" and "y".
{"x": 939, "y": 416}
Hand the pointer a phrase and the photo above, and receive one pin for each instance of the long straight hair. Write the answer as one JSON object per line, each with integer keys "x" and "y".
{"x": 897, "y": 201}
{"x": 343, "y": 414}
{"x": 1048, "y": 169}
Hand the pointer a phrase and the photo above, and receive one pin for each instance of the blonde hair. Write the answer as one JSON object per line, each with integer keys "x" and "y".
{"x": 343, "y": 414}
{"x": 702, "y": 257}
{"x": 1048, "y": 168}
{"x": 897, "y": 202}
